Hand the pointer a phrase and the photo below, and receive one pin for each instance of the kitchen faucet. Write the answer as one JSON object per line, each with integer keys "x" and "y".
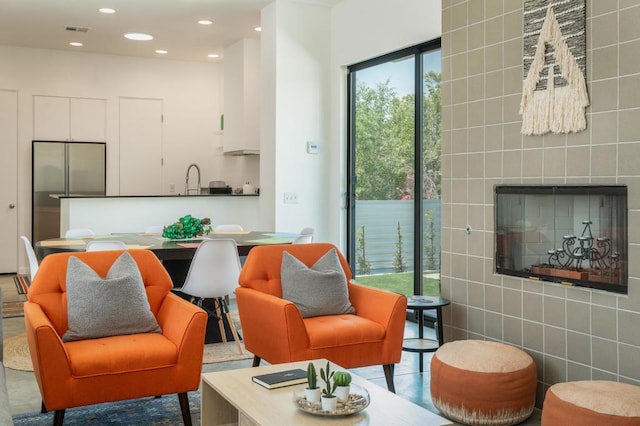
{"x": 186, "y": 182}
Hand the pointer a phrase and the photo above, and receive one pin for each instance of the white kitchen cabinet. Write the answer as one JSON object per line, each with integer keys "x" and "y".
{"x": 59, "y": 118}
{"x": 242, "y": 97}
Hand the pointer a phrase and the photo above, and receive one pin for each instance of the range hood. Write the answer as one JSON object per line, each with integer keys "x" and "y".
{"x": 239, "y": 152}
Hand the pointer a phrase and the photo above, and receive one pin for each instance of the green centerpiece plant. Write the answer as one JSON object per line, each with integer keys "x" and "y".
{"x": 187, "y": 227}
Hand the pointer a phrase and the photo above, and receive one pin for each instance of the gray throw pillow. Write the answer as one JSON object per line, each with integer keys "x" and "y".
{"x": 110, "y": 306}
{"x": 319, "y": 290}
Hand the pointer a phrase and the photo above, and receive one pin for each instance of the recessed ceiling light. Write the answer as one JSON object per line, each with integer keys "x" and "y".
{"x": 205, "y": 22}
{"x": 138, "y": 36}
{"x": 162, "y": 51}
{"x": 75, "y": 44}
{"x": 258, "y": 29}
{"x": 106, "y": 10}
{"x": 213, "y": 55}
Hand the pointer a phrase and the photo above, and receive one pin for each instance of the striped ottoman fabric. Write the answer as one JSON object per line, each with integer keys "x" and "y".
{"x": 476, "y": 382}
{"x": 592, "y": 403}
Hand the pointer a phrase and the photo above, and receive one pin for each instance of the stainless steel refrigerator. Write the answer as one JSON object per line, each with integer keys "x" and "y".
{"x": 63, "y": 169}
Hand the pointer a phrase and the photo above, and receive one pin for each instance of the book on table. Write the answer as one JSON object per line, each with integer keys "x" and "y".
{"x": 281, "y": 378}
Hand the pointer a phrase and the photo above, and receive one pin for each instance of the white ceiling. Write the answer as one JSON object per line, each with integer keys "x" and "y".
{"x": 41, "y": 24}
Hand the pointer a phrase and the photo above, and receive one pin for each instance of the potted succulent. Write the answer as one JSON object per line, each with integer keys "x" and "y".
{"x": 342, "y": 380}
{"x": 312, "y": 391}
{"x": 329, "y": 400}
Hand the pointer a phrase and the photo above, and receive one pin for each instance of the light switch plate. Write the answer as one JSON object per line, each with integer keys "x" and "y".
{"x": 291, "y": 198}
{"x": 313, "y": 147}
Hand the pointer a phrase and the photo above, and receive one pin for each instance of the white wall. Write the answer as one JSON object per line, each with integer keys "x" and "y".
{"x": 192, "y": 102}
{"x": 365, "y": 29}
{"x": 295, "y": 66}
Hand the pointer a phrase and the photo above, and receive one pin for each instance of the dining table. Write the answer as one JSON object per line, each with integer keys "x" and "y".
{"x": 175, "y": 254}
{"x": 164, "y": 248}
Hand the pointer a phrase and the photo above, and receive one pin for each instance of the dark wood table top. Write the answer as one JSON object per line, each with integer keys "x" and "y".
{"x": 164, "y": 248}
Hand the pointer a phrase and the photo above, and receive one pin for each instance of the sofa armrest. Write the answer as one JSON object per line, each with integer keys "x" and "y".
{"x": 265, "y": 319}
{"x": 384, "y": 307}
{"x": 48, "y": 353}
{"x": 184, "y": 324}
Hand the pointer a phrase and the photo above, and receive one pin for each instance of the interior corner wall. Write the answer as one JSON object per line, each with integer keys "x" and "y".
{"x": 299, "y": 69}
{"x": 572, "y": 333}
{"x": 268, "y": 113}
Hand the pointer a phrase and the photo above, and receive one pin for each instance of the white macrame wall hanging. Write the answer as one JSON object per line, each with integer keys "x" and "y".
{"x": 554, "y": 93}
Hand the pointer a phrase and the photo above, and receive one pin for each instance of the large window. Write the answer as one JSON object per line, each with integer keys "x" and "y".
{"x": 394, "y": 170}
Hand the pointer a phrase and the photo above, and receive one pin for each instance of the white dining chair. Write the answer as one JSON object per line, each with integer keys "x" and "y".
{"x": 303, "y": 239}
{"x": 154, "y": 229}
{"x": 307, "y": 231}
{"x": 98, "y": 245}
{"x": 228, "y": 228}
{"x": 31, "y": 255}
{"x": 78, "y": 233}
{"x": 213, "y": 274}
{"x": 306, "y": 236}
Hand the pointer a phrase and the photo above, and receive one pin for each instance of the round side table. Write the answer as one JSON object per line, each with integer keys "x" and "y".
{"x": 421, "y": 344}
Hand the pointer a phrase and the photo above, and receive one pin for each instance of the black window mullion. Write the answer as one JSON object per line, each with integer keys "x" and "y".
{"x": 418, "y": 244}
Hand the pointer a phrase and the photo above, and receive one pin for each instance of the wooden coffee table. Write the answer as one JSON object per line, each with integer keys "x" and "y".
{"x": 231, "y": 397}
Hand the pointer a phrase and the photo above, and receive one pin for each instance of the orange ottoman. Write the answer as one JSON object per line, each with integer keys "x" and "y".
{"x": 476, "y": 382}
{"x": 592, "y": 403}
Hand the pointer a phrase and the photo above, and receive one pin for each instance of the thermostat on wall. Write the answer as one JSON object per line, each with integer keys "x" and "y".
{"x": 313, "y": 147}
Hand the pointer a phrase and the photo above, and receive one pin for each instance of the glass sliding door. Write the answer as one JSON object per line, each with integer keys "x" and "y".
{"x": 394, "y": 176}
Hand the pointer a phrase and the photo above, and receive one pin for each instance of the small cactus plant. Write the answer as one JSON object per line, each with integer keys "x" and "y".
{"x": 312, "y": 377}
{"x": 330, "y": 386}
{"x": 342, "y": 378}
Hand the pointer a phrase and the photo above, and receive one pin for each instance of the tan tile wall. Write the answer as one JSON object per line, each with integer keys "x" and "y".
{"x": 572, "y": 333}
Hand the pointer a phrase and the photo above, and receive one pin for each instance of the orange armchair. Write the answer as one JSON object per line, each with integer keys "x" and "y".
{"x": 275, "y": 331}
{"x": 84, "y": 372}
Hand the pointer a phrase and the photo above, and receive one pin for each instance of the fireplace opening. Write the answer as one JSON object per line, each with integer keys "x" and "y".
{"x": 573, "y": 235}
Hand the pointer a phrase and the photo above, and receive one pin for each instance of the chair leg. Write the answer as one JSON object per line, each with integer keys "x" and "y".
{"x": 184, "y": 407}
{"x": 232, "y": 326}
{"x": 58, "y": 417}
{"x": 256, "y": 361}
{"x": 43, "y": 408}
{"x": 388, "y": 375}
{"x": 218, "y": 306}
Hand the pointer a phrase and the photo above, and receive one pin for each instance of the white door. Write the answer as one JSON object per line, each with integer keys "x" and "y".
{"x": 140, "y": 146}
{"x": 9, "y": 244}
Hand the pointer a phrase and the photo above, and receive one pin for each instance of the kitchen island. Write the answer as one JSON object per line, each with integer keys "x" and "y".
{"x": 130, "y": 214}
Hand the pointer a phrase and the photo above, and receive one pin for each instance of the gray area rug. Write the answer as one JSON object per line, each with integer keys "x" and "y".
{"x": 143, "y": 411}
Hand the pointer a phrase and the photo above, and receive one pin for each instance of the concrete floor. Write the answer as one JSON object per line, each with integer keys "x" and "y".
{"x": 24, "y": 394}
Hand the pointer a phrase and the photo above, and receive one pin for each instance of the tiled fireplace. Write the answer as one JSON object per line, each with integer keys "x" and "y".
{"x": 574, "y": 235}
